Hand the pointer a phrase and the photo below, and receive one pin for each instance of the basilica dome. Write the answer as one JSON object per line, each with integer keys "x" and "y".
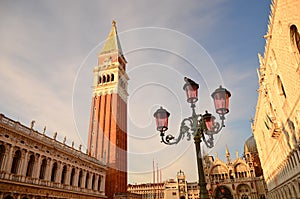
{"x": 250, "y": 145}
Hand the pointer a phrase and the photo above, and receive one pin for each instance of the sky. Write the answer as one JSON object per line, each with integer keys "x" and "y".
{"x": 49, "y": 48}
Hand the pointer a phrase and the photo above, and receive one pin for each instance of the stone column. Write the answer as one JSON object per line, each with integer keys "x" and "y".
{"x": 68, "y": 175}
{"x": 25, "y": 164}
{"x": 83, "y": 180}
{"x": 76, "y": 177}
{"x": 96, "y": 183}
{"x": 48, "y": 170}
{"x": 58, "y": 174}
{"x": 37, "y": 167}
{"x": 90, "y": 181}
{"x": 9, "y": 159}
{"x": 102, "y": 178}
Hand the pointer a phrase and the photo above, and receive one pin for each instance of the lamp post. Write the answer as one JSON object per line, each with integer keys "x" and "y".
{"x": 197, "y": 125}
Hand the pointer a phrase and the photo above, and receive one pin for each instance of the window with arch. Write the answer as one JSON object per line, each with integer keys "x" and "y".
{"x": 2, "y": 153}
{"x": 30, "y": 166}
{"x": 108, "y": 78}
{"x": 99, "y": 80}
{"x": 80, "y": 178}
{"x": 87, "y": 180}
{"x": 295, "y": 38}
{"x": 112, "y": 77}
{"x": 93, "y": 181}
{"x": 280, "y": 87}
{"x": 104, "y": 79}
{"x": 240, "y": 170}
{"x": 72, "y": 177}
{"x": 43, "y": 168}
{"x": 16, "y": 162}
{"x": 295, "y": 43}
{"x": 54, "y": 172}
{"x": 64, "y": 175}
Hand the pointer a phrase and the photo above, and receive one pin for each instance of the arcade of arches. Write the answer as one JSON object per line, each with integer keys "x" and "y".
{"x": 34, "y": 166}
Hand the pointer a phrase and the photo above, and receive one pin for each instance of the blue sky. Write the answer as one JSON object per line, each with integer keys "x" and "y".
{"x": 49, "y": 48}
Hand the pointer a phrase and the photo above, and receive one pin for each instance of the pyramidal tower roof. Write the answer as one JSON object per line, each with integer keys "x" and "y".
{"x": 112, "y": 43}
{"x": 227, "y": 151}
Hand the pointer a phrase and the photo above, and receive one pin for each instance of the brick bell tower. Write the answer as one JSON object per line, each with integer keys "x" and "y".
{"x": 107, "y": 137}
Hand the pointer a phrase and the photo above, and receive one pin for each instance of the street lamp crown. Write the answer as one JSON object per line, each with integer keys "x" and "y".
{"x": 191, "y": 89}
{"x": 161, "y": 116}
{"x": 221, "y": 100}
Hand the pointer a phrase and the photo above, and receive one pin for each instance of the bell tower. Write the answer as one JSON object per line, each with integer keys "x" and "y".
{"x": 107, "y": 137}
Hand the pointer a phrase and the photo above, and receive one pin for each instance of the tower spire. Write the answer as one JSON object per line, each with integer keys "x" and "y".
{"x": 112, "y": 43}
{"x": 227, "y": 154}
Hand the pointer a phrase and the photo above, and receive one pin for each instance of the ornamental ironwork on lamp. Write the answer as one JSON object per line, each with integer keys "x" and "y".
{"x": 197, "y": 123}
{"x": 201, "y": 127}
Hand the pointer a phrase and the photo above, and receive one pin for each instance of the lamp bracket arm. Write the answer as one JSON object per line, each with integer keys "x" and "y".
{"x": 195, "y": 123}
{"x": 167, "y": 139}
{"x": 187, "y": 125}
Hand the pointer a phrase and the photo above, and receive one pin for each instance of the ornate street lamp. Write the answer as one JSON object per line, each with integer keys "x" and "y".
{"x": 197, "y": 125}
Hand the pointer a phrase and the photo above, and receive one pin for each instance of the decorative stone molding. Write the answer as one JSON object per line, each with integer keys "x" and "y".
{"x": 44, "y": 149}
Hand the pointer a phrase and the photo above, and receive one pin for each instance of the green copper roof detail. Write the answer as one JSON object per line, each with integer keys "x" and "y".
{"x": 112, "y": 43}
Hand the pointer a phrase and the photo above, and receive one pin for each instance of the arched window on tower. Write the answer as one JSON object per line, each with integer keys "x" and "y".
{"x": 112, "y": 77}
{"x": 72, "y": 177}
{"x": 108, "y": 78}
{"x": 54, "y": 172}
{"x": 43, "y": 169}
{"x": 2, "y": 153}
{"x": 16, "y": 162}
{"x": 30, "y": 166}
{"x": 64, "y": 175}
{"x": 104, "y": 79}
{"x": 99, "y": 80}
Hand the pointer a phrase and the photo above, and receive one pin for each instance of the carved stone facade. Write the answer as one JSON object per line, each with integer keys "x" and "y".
{"x": 147, "y": 190}
{"x": 276, "y": 126}
{"x": 241, "y": 178}
{"x": 33, "y": 165}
